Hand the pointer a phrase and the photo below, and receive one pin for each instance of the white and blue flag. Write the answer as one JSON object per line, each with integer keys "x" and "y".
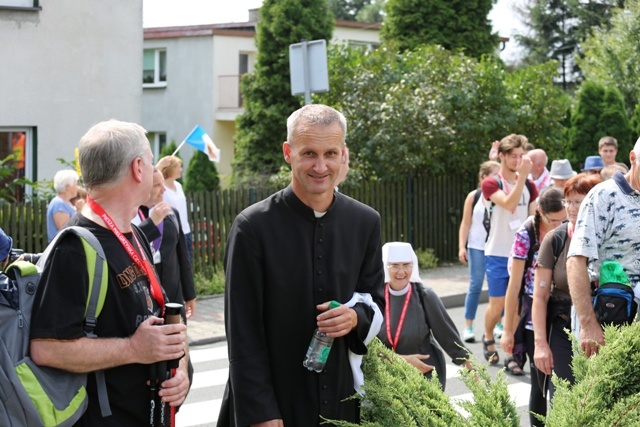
{"x": 199, "y": 140}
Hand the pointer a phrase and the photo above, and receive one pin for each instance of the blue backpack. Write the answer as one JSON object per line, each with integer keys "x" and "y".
{"x": 32, "y": 395}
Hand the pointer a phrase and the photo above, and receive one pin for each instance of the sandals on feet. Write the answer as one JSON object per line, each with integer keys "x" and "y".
{"x": 490, "y": 356}
{"x": 512, "y": 367}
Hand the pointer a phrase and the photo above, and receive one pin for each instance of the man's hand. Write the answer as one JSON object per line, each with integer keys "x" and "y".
{"x": 336, "y": 322}
{"x": 591, "y": 339}
{"x": 525, "y": 166}
{"x": 154, "y": 342}
{"x": 174, "y": 390}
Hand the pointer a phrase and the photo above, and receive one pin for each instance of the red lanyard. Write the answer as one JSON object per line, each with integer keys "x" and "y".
{"x": 155, "y": 289}
{"x": 394, "y": 340}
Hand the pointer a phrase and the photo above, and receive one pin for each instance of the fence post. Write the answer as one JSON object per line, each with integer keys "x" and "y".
{"x": 410, "y": 210}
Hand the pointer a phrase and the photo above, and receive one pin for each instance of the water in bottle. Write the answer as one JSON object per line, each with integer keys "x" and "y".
{"x": 319, "y": 348}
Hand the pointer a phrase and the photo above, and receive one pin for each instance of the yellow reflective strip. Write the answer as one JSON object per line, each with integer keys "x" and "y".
{"x": 51, "y": 416}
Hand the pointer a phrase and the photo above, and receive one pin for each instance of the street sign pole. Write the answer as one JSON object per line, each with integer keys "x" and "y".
{"x": 308, "y": 66}
{"x": 305, "y": 66}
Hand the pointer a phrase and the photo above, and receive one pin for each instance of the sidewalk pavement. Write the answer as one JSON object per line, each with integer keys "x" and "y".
{"x": 450, "y": 283}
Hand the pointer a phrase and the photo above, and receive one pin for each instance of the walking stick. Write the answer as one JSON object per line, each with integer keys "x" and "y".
{"x": 171, "y": 316}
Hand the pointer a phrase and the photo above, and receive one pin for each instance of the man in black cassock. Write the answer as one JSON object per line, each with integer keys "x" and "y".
{"x": 287, "y": 257}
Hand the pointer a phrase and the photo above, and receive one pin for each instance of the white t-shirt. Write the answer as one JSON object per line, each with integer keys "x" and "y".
{"x": 178, "y": 201}
{"x": 477, "y": 233}
{"x": 504, "y": 223}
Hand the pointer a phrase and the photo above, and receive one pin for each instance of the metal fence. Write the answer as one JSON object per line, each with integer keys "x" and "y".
{"x": 424, "y": 211}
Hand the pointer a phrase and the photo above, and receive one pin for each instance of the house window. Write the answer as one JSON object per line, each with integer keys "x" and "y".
{"x": 157, "y": 140}
{"x": 19, "y": 3}
{"x": 17, "y": 143}
{"x": 154, "y": 73}
{"x": 363, "y": 45}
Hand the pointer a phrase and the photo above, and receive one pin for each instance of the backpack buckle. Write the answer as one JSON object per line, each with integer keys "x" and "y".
{"x": 90, "y": 324}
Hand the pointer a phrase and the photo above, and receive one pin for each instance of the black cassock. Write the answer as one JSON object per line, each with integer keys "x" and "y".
{"x": 280, "y": 262}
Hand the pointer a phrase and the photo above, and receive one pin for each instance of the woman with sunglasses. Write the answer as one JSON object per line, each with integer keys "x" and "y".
{"x": 518, "y": 338}
{"x": 416, "y": 322}
{"x": 551, "y": 312}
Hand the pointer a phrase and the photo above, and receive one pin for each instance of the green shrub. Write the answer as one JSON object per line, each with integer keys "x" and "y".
{"x": 427, "y": 258}
{"x": 397, "y": 394}
{"x": 606, "y": 390}
{"x": 207, "y": 280}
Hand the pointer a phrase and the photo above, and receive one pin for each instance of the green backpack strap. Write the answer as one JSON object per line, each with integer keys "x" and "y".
{"x": 98, "y": 274}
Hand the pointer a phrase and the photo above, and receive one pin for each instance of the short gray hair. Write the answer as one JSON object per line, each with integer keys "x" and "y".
{"x": 315, "y": 114}
{"x": 64, "y": 177}
{"x": 107, "y": 150}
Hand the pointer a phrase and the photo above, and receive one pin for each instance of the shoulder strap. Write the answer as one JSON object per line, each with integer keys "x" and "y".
{"x": 559, "y": 241}
{"x": 97, "y": 272}
{"x": 476, "y": 197}
{"x": 529, "y": 184}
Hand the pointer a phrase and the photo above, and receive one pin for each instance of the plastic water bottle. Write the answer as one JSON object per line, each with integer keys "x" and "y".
{"x": 319, "y": 348}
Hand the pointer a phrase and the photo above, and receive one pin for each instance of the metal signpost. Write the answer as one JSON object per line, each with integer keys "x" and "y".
{"x": 308, "y": 66}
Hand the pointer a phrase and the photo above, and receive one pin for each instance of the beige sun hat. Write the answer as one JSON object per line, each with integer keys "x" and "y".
{"x": 561, "y": 169}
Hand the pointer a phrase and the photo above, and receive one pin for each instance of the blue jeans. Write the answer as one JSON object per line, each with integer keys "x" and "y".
{"x": 476, "y": 273}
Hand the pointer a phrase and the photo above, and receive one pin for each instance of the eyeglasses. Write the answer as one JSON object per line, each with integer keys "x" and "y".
{"x": 553, "y": 221}
{"x": 568, "y": 203}
{"x": 397, "y": 267}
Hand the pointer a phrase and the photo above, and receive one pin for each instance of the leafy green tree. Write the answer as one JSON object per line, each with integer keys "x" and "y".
{"x": 453, "y": 24}
{"x": 357, "y": 10}
{"x": 634, "y": 122}
{"x": 585, "y": 127}
{"x": 202, "y": 174}
{"x": 430, "y": 111}
{"x": 612, "y": 56}
{"x": 267, "y": 92}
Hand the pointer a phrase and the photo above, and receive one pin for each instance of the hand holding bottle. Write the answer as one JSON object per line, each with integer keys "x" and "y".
{"x": 337, "y": 320}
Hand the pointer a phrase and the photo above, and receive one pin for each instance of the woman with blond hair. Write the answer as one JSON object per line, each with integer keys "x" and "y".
{"x": 171, "y": 169}
{"x": 471, "y": 240}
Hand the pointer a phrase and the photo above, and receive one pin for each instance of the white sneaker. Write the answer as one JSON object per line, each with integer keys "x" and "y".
{"x": 497, "y": 330}
{"x": 468, "y": 335}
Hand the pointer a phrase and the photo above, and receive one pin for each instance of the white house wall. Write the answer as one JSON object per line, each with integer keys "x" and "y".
{"x": 187, "y": 100}
{"x": 227, "y": 50}
{"x": 65, "y": 67}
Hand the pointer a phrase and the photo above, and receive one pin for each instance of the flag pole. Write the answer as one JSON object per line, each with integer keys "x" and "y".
{"x": 179, "y": 147}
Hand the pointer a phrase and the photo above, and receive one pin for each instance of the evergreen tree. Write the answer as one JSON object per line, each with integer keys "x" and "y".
{"x": 168, "y": 150}
{"x": 557, "y": 28}
{"x": 614, "y": 121}
{"x": 453, "y": 24}
{"x": 585, "y": 123}
{"x": 202, "y": 174}
{"x": 550, "y": 35}
{"x": 267, "y": 92}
